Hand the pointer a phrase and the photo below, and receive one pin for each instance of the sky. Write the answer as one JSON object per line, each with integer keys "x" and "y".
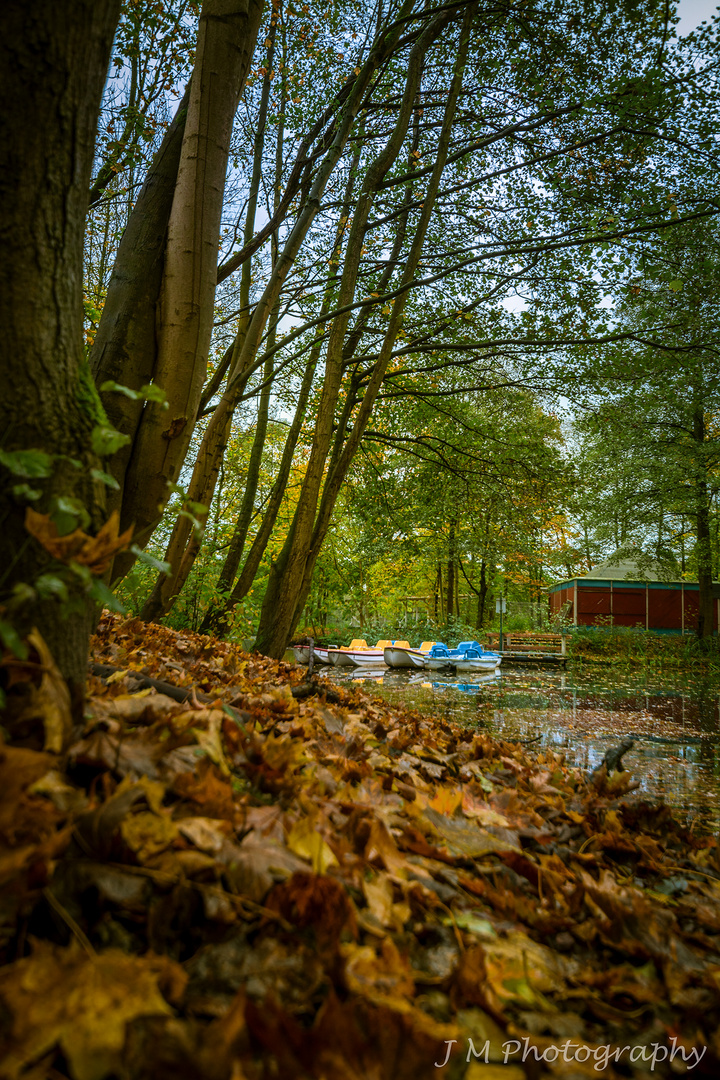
{"x": 692, "y": 13}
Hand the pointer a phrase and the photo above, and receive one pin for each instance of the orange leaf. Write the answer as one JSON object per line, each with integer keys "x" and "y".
{"x": 95, "y": 552}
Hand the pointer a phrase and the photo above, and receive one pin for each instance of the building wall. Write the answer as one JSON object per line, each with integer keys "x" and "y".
{"x": 664, "y": 607}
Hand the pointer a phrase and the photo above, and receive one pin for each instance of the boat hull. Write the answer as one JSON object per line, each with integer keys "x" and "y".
{"x": 340, "y": 658}
{"x": 371, "y": 658}
{"x": 398, "y": 657}
{"x": 477, "y": 663}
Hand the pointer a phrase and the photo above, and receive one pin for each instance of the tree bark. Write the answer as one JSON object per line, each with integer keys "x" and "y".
{"x": 289, "y": 582}
{"x": 125, "y": 346}
{"x": 450, "y": 603}
{"x": 184, "y": 546}
{"x": 291, "y": 577}
{"x": 226, "y": 40}
{"x": 53, "y": 65}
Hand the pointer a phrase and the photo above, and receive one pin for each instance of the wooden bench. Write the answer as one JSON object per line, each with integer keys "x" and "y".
{"x": 529, "y": 642}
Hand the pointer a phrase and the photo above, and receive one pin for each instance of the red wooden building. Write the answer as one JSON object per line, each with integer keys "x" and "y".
{"x": 622, "y": 594}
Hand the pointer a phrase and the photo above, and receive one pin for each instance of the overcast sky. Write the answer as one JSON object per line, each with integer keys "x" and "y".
{"x": 692, "y": 13}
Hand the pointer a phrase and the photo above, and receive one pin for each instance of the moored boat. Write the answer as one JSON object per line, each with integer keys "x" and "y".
{"x": 477, "y": 660}
{"x": 468, "y": 656}
{"x": 400, "y": 655}
{"x": 441, "y": 657}
{"x": 358, "y": 654}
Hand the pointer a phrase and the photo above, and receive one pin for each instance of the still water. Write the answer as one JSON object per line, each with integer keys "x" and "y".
{"x": 674, "y": 719}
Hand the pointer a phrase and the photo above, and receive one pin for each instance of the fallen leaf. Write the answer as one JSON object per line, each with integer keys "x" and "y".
{"x": 79, "y": 1003}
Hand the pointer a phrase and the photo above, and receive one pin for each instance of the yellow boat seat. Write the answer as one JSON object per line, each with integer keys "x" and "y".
{"x": 358, "y": 643}
{"x": 426, "y": 646}
{"x": 383, "y": 644}
{"x": 402, "y": 644}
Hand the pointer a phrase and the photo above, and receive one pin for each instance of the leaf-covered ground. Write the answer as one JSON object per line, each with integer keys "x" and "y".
{"x": 276, "y": 879}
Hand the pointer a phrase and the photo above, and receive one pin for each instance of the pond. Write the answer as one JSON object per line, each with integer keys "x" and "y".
{"x": 674, "y": 719}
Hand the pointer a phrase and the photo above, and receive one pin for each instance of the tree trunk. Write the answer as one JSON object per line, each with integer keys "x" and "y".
{"x": 125, "y": 347}
{"x": 226, "y": 39}
{"x": 289, "y": 582}
{"x": 53, "y": 65}
{"x": 291, "y": 576}
{"x": 450, "y": 602}
{"x": 437, "y": 594}
{"x": 245, "y": 360}
{"x": 216, "y": 620}
{"x": 183, "y": 546}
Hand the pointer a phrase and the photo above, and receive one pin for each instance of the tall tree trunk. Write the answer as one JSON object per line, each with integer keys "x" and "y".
{"x": 450, "y": 602}
{"x": 216, "y": 621}
{"x": 245, "y": 356}
{"x": 184, "y": 544}
{"x": 482, "y": 594}
{"x": 125, "y": 348}
{"x": 437, "y": 594}
{"x": 53, "y": 64}
{"x": 291, "y": 577}
{"x": 226, "y": 40}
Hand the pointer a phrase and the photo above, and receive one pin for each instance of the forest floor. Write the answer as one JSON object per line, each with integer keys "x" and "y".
{"x": 243, "y": 874}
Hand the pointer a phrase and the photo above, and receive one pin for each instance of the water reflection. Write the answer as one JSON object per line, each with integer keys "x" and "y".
{"x": 675, "y": 720}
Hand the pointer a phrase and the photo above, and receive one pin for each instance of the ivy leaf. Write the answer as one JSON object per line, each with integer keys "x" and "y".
{"x": 106, "y": 441}
{"x": 49, "y": 587}
{"x": 27, "y": 464}
{"x": 105, "y": 478}
{"x": 24, "y": 491}
{"x": 150, "y": 560}
{"x": 99, "y": 591}
{"x": 148, "y": 392}
{"x": 11, "y": 640}
{"x": 68, "y": 514}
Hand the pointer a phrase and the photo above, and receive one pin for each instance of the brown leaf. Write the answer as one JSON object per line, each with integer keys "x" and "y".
{"x": 95, "y": 552}
{"x": 79, "y": 1003}
{"x": 38, "y": 710}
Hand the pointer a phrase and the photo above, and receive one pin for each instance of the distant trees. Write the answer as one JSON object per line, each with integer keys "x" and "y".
{"x": 655, "y": 408}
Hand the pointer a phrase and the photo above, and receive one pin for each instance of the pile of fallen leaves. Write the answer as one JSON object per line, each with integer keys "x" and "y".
{"x": 229, "y": 872}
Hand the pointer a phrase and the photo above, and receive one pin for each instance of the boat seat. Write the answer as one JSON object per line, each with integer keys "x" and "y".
{"x": 427, "y": 645}
{"x": 358, "y": 643}
{"x": 402, "y": 644}
{"x": 383, "y": 644}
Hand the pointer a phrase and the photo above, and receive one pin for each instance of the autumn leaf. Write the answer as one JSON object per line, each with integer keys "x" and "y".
{"x": 63, "y": 997}
{"x": 95, "y": 552}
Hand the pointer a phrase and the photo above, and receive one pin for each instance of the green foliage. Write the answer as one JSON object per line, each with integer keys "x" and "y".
{"x": 27, "y": 464}
{"x": 88, "y": 397}
{"x": 150, "y": 560}
{"x": 11, "y": 640}
{"x": 149, "y": 392}
{"x": 105, "y": 440}
{"x": 631, "y": 645}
